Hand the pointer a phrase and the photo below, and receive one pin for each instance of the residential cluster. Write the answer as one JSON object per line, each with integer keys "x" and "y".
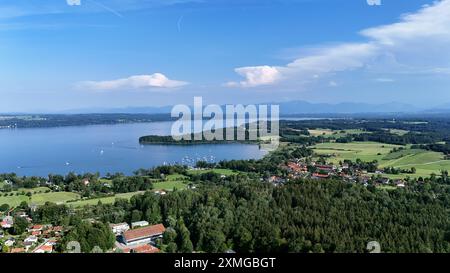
{"x": 300, "y": 169}
{"x": 35, "y": 239}
{"x": 140, "y": 237}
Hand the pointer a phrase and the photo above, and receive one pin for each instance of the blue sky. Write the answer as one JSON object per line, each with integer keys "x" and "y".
{"x": 153, "y": 52}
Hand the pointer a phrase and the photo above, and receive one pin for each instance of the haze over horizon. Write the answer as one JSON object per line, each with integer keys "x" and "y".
{"x": 130, "y": 53}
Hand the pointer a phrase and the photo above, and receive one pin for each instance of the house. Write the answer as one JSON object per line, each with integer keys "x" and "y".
{"x": 36, "y": 233}
{"x": 325, "y": 168}
{"x": 276, "y": 180}
{"x": 144, "y": 249}
{"x": 400, "y": 183}
{"x": 36, "y": 228}
{"x": 139, "y": 224}
{"x": 51, "y": 242}
{"x": 120, "y": 228}
{"x": 30, "y": 240}
{"x": 160, "y": 192}
{"x": 33, "y": 207}
{"x": 320, "y": 176}
{"x": 7, "y": 222}
{"x": 143, "y": 235}
{"x": 45, "y": 248}
{"x": 385, "y": 180}
{"x": 17, "y": 250}
{"x": 22, "y": 214}
{"x": 297, "y": 168}
{"x": 57, "y": 229}
{"x": 10, "y": 242}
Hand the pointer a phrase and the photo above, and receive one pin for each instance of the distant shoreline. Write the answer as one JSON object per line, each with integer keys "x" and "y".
{"x": 168, "y": 140}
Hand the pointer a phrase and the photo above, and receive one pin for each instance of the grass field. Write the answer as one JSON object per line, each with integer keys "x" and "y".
{"x": 219, "y": 171}
{"x": 104, "y": 200}
{"x": 13, "y": 201}
{"x": 398, "y": 132}
{"x": 366, "y": 151}
{"x": 176, "y": 177}
{"x": 425, "y": 162}
{"x": 170, "y": 185}
{"x": 334, "y": 133}
{"x": 54, "y": 197}
{"x": 39, "y": 199}
{"x": 35, "y": 190}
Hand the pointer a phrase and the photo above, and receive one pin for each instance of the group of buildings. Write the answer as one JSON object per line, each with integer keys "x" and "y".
{"x": 36, "y": 239}
{"x": 298, "y": 169}
{"x": 139, "y": 238}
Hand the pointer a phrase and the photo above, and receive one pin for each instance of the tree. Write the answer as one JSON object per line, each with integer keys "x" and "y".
{"x": 184, "y": 241}
{"x": 169, "y": 235}
{"x": 136, "y": 215}
{"x": 20, "y": 225}
{"x": 4, "y": 207}
{"x": 171, "y": 248}
{"x": 91, "y": 236}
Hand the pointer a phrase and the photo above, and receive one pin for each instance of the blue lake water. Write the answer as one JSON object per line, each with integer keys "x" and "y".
{"x": 103, "y": 148}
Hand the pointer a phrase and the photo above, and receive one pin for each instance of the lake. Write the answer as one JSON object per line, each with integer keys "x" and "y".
{"x": 104, "y": 148}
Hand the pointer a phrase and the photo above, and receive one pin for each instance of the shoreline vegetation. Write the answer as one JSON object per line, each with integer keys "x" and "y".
{"x": 246, "y": 136}
{"x": 169, "y": 140}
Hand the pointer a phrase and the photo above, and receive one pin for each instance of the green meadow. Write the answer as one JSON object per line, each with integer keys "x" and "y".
{"x": 425, "y": 162}
{"x": 218, "y": 171}
{"x": 38, "y": 199}
{"x": 170, "y": 185}
{"x": 104, "y": 200}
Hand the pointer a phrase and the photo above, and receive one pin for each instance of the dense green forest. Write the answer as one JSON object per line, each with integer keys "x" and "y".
{"x": 303, "y": 216}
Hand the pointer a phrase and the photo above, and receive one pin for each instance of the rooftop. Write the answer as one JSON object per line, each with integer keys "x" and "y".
{"x": 144, "y": 232}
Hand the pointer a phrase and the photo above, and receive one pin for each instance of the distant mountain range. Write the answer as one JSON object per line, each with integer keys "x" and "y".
{"x": 292, "y": 108}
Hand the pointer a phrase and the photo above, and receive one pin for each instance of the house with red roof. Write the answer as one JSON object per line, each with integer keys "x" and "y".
{"x": 320, "y": 176}
{"x": 36, "y": 233}
{"x": 36, "y": 228}
{"x": 148, "y": 249}
{"x": 143, "y": 235}
{"x": 45, "y": 248}
{"x": 7, "y": 222}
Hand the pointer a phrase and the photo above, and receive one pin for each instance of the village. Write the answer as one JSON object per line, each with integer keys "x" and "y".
{"x": 301, "y": 169}
{"x": 139, "y": 237}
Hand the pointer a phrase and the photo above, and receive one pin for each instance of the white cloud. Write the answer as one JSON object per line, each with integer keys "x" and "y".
{"x": 256, "y": 76}
{"x": 419, "y": 43}
{"x": 333, "y": 59}
{"x": 156, "y": 80}
{"x": 430, "y": 22}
